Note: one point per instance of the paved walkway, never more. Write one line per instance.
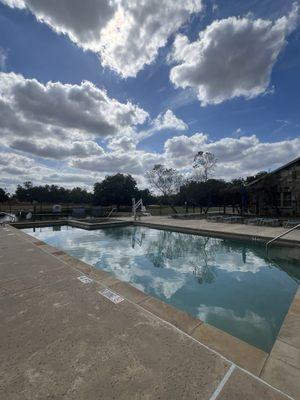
(262, 232)
(61, 339)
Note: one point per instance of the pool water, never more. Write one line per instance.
(227, 283)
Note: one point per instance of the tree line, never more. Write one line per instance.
(169, 187)
(115, 189)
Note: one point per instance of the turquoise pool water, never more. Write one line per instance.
(227, 283)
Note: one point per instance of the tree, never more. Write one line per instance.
(115, 189)
(3, 196)
(147, 197)
(52, 194)
(166, 181)
(79, 195)
(204, 194)
(204, 165)
(24, 192)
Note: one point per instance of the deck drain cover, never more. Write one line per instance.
(114, 297)
(84, 279)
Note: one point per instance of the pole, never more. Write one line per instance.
(133, 208)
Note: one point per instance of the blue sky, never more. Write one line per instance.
(220, 76)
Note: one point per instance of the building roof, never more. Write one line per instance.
(285, 166)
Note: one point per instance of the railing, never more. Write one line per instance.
(11, 216)
(279, 236)
(111, 211)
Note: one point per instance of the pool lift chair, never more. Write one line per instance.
(135, 207)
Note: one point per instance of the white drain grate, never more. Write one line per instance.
(84, 279)
(114, 297)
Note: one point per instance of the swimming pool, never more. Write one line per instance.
(230, 284)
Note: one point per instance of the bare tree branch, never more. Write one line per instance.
(204, 165)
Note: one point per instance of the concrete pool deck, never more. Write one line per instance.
(60, 338)
(203, 226)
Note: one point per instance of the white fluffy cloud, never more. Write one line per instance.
(56, 120)
(14, 3)
(126, 34)
(14, 164)
(27, 105)
(237, 157)
(168, 120)
(135, 162)
(164, 121)
(56, 149)
(2, 59)
(182, 148)
(16, 168)
(138, 29)
(232, 57)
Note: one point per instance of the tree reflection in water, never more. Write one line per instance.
(196, 252)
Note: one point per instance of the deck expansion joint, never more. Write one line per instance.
(222, 383)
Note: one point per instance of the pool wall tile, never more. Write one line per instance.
(241, 353)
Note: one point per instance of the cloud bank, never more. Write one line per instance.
(232, 57)
(126, 34)
(78, 128)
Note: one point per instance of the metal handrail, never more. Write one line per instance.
(111, 211)
(279, 236)
(11, 216)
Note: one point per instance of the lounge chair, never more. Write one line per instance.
(254, 221)
(215, 218)
(78, 212)
(145, 212)
(271, 222)
(233, 219)
(97, 212)
(291, 223)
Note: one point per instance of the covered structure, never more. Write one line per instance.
(278, 192)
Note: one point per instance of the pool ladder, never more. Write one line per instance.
(279, 236)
